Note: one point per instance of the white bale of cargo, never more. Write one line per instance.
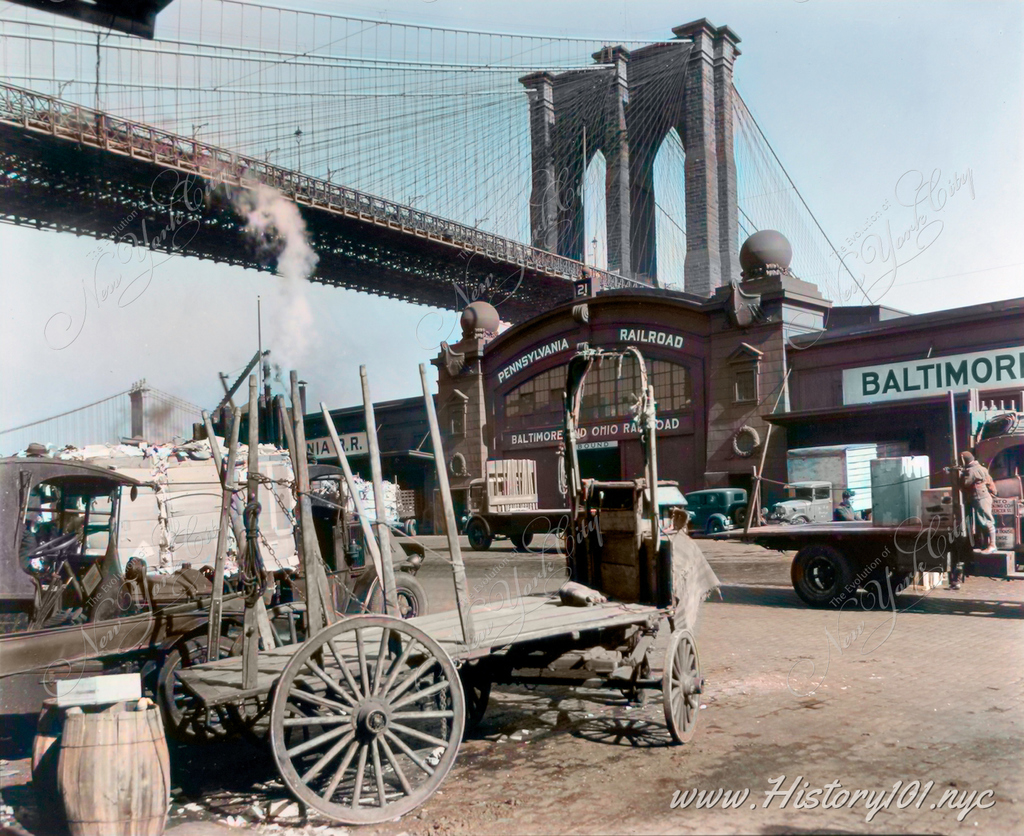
(843, 465)
(177, 521)
(896, 487)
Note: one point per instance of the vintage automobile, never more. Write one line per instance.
(69, 608)
(717, 509)
(807, 502)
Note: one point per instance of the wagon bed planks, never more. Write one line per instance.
(498, 624)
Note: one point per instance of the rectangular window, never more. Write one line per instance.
(745, 382)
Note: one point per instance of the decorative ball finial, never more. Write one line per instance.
(479, 317)
(765, 253)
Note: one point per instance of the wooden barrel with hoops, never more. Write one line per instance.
(114, 772)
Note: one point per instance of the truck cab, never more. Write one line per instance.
(806, 502)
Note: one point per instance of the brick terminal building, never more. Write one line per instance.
(719, 352)
(717, 366)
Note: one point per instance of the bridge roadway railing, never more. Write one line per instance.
(45, 114)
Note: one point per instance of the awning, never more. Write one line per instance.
(863, 410)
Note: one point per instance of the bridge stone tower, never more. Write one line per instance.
(624, 108)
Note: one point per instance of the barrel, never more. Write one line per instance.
(114, 773)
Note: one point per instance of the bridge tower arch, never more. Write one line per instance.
(625, 106)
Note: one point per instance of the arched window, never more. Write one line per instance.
(595, 213)
(670, 211)
(607, 395)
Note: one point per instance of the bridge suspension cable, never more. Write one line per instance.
(769, 199)
(422, 115)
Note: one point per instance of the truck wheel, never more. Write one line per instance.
(800, 520)
(410, 528)
(822, 576)
(521, 542)
(479, 537)
(412, 598)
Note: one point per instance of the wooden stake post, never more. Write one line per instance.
(226, 474)
(250, 647)
(754, 501)
(350, 482)
(387, 582)
(458, 567)
(961, 533)
(317, 613)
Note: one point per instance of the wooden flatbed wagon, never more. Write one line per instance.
(367, 715)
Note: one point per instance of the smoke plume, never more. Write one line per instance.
(273, 222)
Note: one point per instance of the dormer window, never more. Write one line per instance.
(745, 363)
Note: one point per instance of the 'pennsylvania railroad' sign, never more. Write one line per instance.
(997, 368)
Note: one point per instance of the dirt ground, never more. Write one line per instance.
(920, 706)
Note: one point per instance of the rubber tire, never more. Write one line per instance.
(521, 542)
(410, 528)
(411, 594)
(739, 516)
(821, 574)
(800, 520)
(713, 526)
(479, 537)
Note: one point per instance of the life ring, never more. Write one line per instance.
(755, 441)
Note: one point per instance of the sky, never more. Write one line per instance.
(899, 122)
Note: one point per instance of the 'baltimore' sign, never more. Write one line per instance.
(997, 368)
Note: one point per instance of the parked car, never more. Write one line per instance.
(717, 509)
(808, 502)
(670, 498)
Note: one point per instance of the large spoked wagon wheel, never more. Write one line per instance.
(366, 720)
(681, 686)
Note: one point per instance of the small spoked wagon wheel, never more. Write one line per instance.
(249, 718)
(366, 719)
(681, 686)
(185, 717)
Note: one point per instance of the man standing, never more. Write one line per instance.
(979, 489)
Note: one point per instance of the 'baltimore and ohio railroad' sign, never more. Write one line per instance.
(997, 368)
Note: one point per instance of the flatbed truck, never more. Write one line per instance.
(835, 559)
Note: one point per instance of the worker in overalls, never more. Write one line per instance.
(979, 488)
